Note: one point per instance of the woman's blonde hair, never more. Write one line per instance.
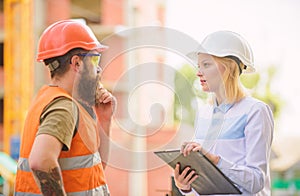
(234, 91)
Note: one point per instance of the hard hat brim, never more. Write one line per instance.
(51, 53)
(193, 55)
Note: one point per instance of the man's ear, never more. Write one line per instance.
(75, 63)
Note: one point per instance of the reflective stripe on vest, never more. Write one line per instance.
(99, 191)
(81, 166)
(78, 162)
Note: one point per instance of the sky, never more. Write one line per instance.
(271, 27)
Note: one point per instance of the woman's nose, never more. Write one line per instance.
(199, 72)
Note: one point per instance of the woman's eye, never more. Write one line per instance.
(205, 64)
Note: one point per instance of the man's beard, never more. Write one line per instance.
(86, 89)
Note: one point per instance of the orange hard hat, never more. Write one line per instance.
(62, 36)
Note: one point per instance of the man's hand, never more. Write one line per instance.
(105, 103)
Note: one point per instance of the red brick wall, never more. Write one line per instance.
(57, 10)
(112, 12)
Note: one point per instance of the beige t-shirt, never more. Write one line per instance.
(59, 119)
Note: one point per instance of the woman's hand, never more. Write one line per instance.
(184, 179)
(189, 147)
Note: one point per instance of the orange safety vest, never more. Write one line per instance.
(81, 166)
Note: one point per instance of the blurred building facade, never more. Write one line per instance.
(126, 172)
(1, 72)
(106, 17)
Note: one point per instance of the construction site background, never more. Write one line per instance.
(21, 24)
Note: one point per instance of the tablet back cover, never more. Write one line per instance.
(210, 179)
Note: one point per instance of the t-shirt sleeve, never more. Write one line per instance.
(59, 119)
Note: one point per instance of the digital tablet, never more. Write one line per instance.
(210, 179)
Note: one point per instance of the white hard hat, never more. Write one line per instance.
(227, 43)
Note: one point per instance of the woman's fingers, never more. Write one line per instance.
(185, 178)
(187, 147)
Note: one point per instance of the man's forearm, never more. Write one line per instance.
(104, 111)
(50, 182)
(104, 141)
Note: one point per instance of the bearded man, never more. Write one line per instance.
(69, 120)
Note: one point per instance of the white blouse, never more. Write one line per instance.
(241, 134)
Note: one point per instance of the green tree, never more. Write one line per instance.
(261, 89)
(187, 94)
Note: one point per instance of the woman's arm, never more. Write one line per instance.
(258, 139)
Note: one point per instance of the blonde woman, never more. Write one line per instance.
(236, 130)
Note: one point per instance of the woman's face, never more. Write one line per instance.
(210, 73)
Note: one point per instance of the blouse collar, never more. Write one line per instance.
(223, 107)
